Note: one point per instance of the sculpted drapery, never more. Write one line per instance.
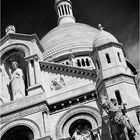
(17, 81)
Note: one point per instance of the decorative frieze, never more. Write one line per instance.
(119, 80)
(68, 70)
(115, 80)
(108, 45)
(23, 113)
(22, 103)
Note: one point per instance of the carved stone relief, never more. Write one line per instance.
(57, 83)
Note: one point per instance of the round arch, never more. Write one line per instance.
(22, 122)
(18, 132)
(18, 46)
(86, 113)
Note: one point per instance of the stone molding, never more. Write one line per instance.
(20, 46)
(108, 45)
(45, 138)
(22, 103)
(115, 80)
(75, 93)
(25, 112)
(19, 36)
(68, 70)
(26, 122)
(87, 110)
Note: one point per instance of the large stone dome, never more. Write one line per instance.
(67, 38)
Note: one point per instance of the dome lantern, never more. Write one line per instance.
(64, 11)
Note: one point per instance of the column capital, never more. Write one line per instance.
(32, 57)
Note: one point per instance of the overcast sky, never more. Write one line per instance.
(119, 17)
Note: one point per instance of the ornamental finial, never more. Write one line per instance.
(10, 29)
(100, 27)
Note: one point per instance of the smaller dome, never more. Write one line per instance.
(104, 37)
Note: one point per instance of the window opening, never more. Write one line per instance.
(62, 10)
(67, 63)
(87, 62)
(138, 116)
(83, 63)
(108, 58)
(119, 56)
(78, 63)
(118, 96)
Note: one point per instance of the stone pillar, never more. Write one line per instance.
(36, 71)
(46, 122)
(35, 86)
(30, 73)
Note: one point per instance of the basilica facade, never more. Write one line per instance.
(51, 88)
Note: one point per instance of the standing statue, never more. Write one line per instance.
(17, 81)
(4, 82)
(120, 125)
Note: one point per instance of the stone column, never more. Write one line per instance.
(31, 73)
(36, 70)
(46, 122)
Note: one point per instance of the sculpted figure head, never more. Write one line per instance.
(14, 65)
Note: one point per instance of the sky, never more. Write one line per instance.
(119, 17)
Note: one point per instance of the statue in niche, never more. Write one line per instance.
(4, 82)
(16, 81)
(57, 83)
(120, 125)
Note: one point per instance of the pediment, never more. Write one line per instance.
(58, 79)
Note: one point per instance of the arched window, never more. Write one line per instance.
(18, 133)
(87, 62)
(83, 63)
(119, 56)
(108, 58)
(118, 96)
(67, 63)
(78, 63)
(80, 124)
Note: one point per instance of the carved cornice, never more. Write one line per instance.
(19, 36)
(45, 138)
(115, 80)
(22, 103)
(22, 113)
(108, 45)
(68, 70)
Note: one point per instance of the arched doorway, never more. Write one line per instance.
(18, 133)
(80, 124)
(81, 117)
